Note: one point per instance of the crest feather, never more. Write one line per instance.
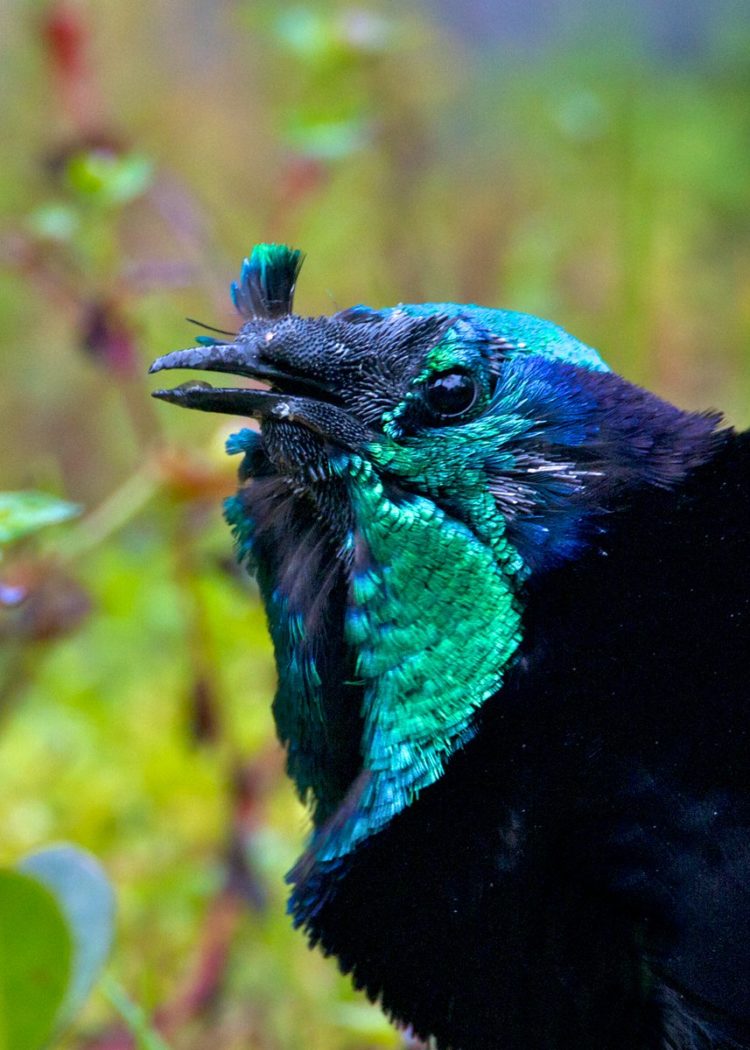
(267, 280)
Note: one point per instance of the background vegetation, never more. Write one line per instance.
(548, 158)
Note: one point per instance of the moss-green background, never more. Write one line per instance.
(577, 160)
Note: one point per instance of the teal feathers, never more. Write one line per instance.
(267, 281)
(433, 618)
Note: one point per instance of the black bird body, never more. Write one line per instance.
(580, 876)
(509, 595)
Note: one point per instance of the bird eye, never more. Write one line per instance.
(451, 394)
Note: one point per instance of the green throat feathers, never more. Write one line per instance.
(431, 618)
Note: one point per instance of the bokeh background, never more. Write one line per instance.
(581, 159)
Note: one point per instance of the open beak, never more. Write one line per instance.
(292, 398)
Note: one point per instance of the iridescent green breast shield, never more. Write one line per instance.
(433, 619)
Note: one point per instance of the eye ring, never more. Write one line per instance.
(451, 394)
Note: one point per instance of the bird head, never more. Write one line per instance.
(415, 469)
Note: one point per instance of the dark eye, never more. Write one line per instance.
(450, 394)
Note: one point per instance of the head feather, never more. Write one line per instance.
(267, 280)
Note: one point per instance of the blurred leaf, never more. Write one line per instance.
(22, 513)
(324, 41)
(54, 222)
(306, 33)
(328, 139)
(35, 962)
(105, 177)
(133, 1016)
(84, 895)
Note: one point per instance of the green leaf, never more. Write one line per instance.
(35, 959)
(22, 513)
(306, 33)
(83, 892)
(54, 222)
(327, 139)
(105, 177)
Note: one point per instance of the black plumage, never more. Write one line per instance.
(580, 876)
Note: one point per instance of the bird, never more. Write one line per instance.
(509, 596)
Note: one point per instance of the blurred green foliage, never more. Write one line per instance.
(147, 147)
(34, 961)
(86, 902)
(56, 923)
(24, 513)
